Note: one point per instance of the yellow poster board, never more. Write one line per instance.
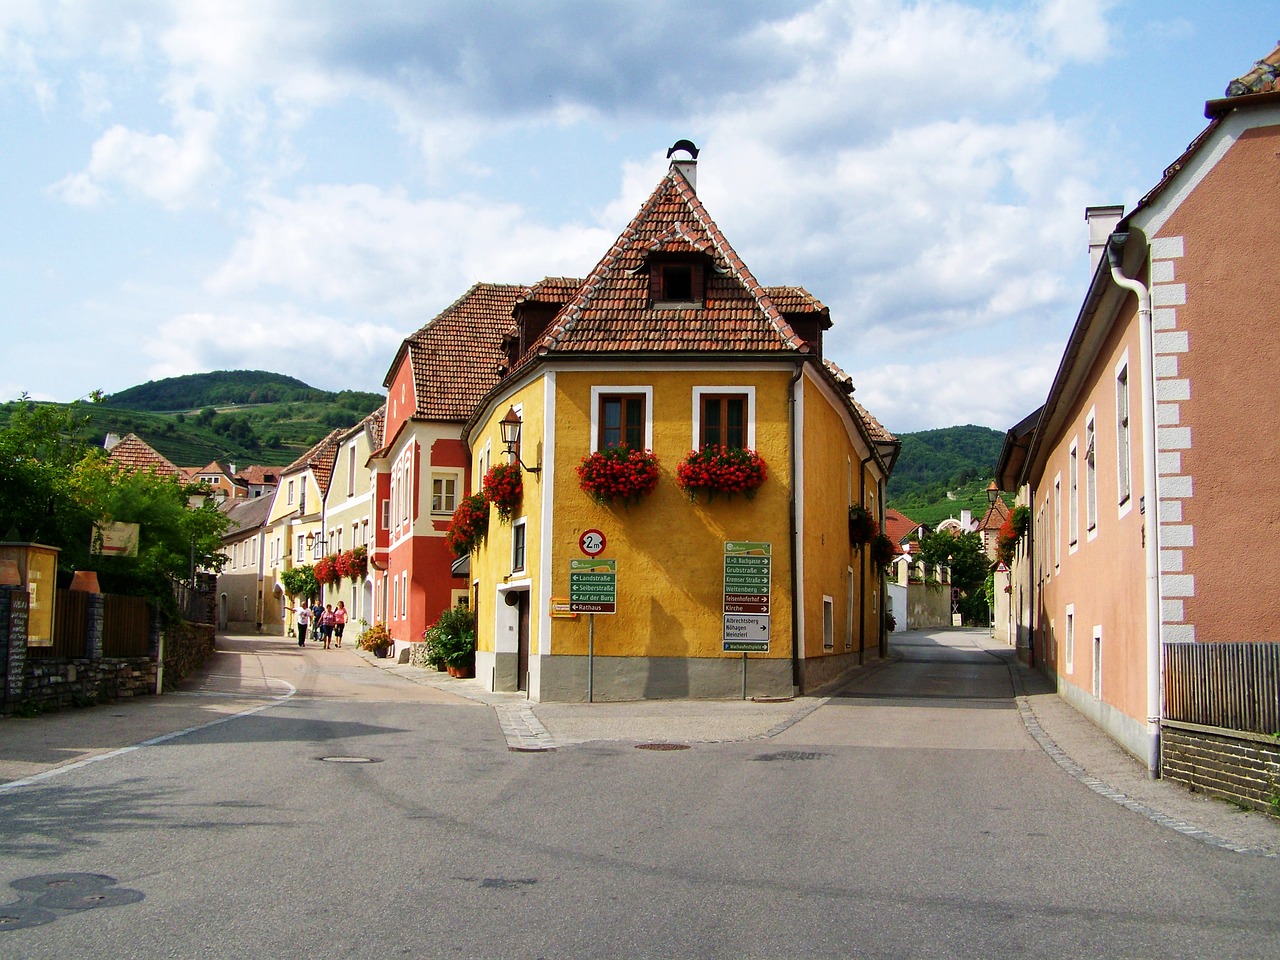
(38, 567)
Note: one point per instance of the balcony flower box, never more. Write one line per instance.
(618, 474)
(727, 470)
(862, 526)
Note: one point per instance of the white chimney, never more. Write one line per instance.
(1102, 222)
(688, 166)
(111, 440)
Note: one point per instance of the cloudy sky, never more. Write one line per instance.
(295, 185)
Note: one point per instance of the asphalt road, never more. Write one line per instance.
(908, 816)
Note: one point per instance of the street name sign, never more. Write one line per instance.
(593, 586)
(747, 594)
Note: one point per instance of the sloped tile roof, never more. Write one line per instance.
(133, 453)
(898, 527)
(259, 476)
(457, 357)
(875, 430)
(611, 312)
(795, 300)
(995, 515)
(1263, 78)
(320, 459)
(246, 516)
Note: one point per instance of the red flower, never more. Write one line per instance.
(469, 526)
(618, 473)
(504, 487)
(721, 469)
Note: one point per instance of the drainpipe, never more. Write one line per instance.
(1150, 498)
(862, 565)
(796, 639)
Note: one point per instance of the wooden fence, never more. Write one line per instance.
(126, 627)
(1235, 686)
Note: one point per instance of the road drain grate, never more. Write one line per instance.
(662, 746)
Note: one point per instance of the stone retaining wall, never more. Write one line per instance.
(1243, 767)
(52, 684)
(186, 647)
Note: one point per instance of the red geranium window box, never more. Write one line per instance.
(469, 525)
(618, 473)
(720, 469)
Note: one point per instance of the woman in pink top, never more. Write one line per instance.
(339, 621)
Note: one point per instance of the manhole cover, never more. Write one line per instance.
(662, 746)
(350, 759)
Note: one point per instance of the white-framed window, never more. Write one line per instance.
(301, 546)
(621, 416)
(848, 620)
(1069, 642)
(1056, 521)
(407, 483)
(386, 513)
(1097, 661)
(404, 595)
(1124, 467)
(338, 536)
(828, 623)
(725, 416)
(1073, 496)
(288, 490)
(395, 598)
(444, 492)
(1091, 476)
(518, 546)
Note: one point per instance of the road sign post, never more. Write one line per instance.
(747, 596)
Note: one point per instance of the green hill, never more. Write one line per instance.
(959, 461)
(195, 419)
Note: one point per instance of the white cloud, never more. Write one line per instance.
(324, 351)
(173, 172)
(367, 247)
(991, 389)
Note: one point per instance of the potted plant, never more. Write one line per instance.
(452, 640)
(504, 487)
(618, 473)
(862, 526)
(469, 526)
(720, 469)
(376, 639)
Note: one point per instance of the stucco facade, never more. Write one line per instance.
(1151, 470)
(612, 336)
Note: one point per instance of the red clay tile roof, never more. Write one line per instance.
(259, 476)
(456, 357)
(1263, 78)
(320, 460)
(133, 453)
(875, 430)
(898, 527)
(795, 300)
(612, 311)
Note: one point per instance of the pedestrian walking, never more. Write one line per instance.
(339, 621)
(304, 618)
(326, 625)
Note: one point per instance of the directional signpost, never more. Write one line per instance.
(747, 580)
(593, 586)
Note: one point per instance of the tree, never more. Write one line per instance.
(969, 565)
(55, 489)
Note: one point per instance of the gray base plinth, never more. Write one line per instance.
(564, 678)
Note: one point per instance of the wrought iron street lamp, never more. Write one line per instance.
(510, 426)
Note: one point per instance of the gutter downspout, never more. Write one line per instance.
(796, 639)
(862, 564)
(1150, 496)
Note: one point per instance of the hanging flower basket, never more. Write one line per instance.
(326, 572)
(618, 473)
(721, 470)
(862, 526)
(359, 564)
(504, 487)
(881, 550)
(469, 525)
